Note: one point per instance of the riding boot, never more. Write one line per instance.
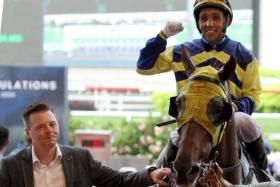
(257, 151)
(170, 154)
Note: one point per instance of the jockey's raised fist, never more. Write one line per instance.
(171, 28)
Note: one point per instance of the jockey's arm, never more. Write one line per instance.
(154, 57)
(250, 90)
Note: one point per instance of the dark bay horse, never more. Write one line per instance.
(207, 131)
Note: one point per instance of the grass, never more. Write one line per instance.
(269, 127)
(269, 73)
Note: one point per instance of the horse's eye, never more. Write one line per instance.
(218, 110)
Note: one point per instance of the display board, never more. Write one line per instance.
(21, 32)
(22, 86)
(115, 39)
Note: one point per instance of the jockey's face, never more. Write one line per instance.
(211, 24)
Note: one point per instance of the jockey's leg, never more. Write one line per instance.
(250, 133)
(169, 152)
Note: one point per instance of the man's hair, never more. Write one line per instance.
(4, 135)
(36, 107)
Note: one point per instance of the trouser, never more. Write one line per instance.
(249, 132)
(168, 155)
(257, 151)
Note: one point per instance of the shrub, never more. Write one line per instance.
(135, 137)
(269, 103)
(140, 136)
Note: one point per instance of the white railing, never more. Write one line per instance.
(118, 103)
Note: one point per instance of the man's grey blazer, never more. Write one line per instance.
(80, 170)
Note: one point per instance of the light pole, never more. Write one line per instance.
(189, 8)
(256, 28)
(1, 12)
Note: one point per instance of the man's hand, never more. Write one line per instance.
(157, 176)
(213, 177)
(171, 28)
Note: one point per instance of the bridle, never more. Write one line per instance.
(203, 168)
(225, 88)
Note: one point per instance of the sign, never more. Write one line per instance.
(98, 142)
(22, 86)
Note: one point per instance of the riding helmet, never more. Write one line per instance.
(223, 5)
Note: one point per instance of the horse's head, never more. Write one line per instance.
(203, 107)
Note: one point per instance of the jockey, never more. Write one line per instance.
(214, 48)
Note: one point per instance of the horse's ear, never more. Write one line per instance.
(189, 66)
(228, 69)
(218, 110)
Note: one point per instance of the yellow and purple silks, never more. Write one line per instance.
(197, 95)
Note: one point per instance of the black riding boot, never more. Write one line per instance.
(170, 154)
(257, 151)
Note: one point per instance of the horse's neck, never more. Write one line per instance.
(228, 153)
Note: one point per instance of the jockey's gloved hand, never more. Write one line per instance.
(171, 28)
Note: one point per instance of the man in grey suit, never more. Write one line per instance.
(45, 163)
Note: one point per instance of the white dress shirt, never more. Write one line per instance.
(51, 175)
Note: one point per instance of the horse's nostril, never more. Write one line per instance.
(194, 169)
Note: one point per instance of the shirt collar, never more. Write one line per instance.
(209, 47)
(58, 154)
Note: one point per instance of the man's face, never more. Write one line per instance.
(211, 24)
(44, 130)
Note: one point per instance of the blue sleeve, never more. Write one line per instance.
(150, 53)
(245, 104)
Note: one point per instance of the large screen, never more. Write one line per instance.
(21, 32)
(108, 33)
(102, 33)
(115, 39)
